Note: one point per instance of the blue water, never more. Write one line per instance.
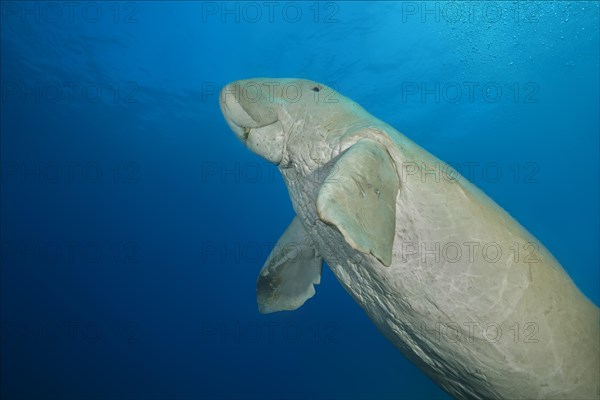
(134, 223)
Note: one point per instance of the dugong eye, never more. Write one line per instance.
(315, 89)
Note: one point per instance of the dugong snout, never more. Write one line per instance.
(251, 114)
(246, 105)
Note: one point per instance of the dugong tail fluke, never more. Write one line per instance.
(459, 286)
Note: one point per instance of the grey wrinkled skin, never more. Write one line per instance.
(517, 328)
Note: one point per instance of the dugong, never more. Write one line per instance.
(449, 277)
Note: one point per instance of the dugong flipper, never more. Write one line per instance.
(459, 286)
(366, 217)
(286, 280)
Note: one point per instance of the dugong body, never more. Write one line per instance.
(459, 286)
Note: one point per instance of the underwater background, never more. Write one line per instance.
(134, 223)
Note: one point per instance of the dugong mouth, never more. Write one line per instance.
(238, 118)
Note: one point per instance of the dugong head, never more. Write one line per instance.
(312, 132)
(271, 116)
